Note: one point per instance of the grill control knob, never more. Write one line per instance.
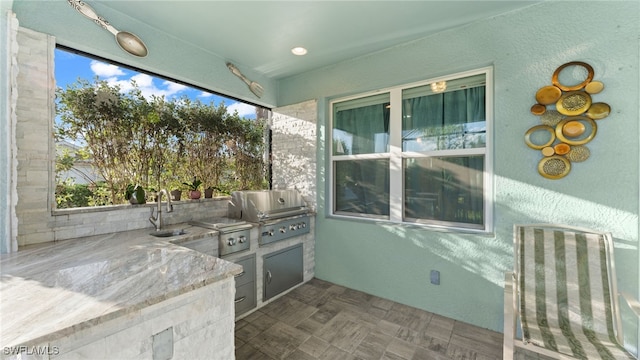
(304, 225)
(231, 241)
(271, 232)
(283, 230)
(292, 227)
(242, 239)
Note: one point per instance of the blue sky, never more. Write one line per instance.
(69, 67)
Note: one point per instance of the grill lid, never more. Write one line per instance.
(261, 205)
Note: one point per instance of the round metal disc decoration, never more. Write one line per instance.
(556, 74)
(548, 95)
(598, 111)
(573, 103)
(594, 87)
(527, 136)
(538, 109)
(560, 133)
(567, 108)
(578, 153)
(551, 118)
(562, 148)
(554, 167)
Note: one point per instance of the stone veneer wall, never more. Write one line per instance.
(8, 162)
(294, 146)
(35, 112)
(198, 324)
(38, 222)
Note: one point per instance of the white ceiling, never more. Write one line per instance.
(260, 34)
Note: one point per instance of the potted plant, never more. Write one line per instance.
(194, 193)
(176, 194)
(135, 194)
(208, 192)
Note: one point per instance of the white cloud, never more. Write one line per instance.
(205, 94)
(147, 86)
(173, 87)
(105, 70)
(243, 109)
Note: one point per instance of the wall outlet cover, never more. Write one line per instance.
(435, 277)
(163, 345)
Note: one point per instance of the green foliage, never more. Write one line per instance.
(71, 195)
(194, 185)
(135, 192)
(155, 142)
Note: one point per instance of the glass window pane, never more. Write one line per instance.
(453, 118)
(362, 186)
(361, 126)
(448, 189)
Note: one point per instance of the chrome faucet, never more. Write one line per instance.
(157, 220)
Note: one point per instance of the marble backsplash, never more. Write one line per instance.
(75, 223)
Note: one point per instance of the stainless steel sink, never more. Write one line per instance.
(168, 233)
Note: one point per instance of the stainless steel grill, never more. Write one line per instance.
(263, 205)
(281, 213)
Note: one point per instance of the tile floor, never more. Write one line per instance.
(321, 320)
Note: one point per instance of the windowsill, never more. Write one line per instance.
(412, 225)
(97, 209)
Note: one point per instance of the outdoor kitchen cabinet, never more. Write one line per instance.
(245, 299)
(282, 270)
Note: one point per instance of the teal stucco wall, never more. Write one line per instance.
(524, 47)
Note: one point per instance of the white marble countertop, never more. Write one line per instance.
(52, 290)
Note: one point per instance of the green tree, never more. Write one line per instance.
(155, 142)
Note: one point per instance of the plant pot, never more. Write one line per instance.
(194, 194)
(208, 193)
(176, 195)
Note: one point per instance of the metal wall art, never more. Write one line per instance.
(568, 116)
(255, 88)
(126, 40)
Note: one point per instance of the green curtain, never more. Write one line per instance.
(444, 188)
(362, 186)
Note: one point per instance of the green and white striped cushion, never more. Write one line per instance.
(564, 293)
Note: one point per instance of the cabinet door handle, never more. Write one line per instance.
(269, 276)
(240, 299)
(241, 274)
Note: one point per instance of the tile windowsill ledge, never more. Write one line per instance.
(94, 209)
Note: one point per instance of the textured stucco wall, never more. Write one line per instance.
(525, 48)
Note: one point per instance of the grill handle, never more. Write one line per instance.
(269, 277)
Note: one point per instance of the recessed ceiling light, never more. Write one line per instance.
(299, 50)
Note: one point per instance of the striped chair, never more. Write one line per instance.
(563, 292)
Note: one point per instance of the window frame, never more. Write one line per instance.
(397, 158)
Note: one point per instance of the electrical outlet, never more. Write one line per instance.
(435, 277)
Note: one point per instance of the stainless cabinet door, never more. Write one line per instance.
(282, 270)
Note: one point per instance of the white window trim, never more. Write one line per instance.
(396, 157)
